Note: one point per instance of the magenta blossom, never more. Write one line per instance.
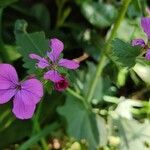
(145, 24)
(54, 61)
(147, 56)
(61, 85)
(25, 94)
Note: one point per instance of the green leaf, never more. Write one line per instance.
(82, 123)
(99, 14)
(4, 3)
(30, 43)
(124, 54)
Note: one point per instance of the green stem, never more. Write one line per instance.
(75, 94)
(35, 138)
(72, 92)
(60, 5)
(36, 118)
(43, 142)
(103, 58)
(121, 15)
(37, 128)
(99, 70)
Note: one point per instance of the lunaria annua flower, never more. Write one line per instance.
(53, 62)
(145, 24)
(25, 94)
(61, 85)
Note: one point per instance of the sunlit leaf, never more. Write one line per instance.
(12, 52)
(143, 71)
(99, 14)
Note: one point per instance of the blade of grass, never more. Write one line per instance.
(34, 139)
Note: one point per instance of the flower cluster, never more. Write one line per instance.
(53, 62)
(145, 24)
(26, 94)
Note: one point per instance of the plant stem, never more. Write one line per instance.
(37, 127)
(43, 142)
(60, 5)
(59, 12)
(75, 94)
(103, 58)
(35, 138)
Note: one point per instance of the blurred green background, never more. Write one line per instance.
(120, 114)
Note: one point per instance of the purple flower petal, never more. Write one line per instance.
(70, 64)
(147, 56)
(57, 47)
(8, 81)
(35, 56)
(20, 109)
(42, 62)
(138, 42)
(31, 91)
(53, 76)
(8, 75)
(6, 95)
(145, 23)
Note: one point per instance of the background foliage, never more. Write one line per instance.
(116, 116)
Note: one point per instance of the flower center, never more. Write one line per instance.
(62, 84)
(53, 66)
(18, 87)
(146, 47)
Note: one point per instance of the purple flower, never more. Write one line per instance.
(25, 94)
(145, 24)
(61, 85)
(138, 42)
(147, 56)
(54, 61)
